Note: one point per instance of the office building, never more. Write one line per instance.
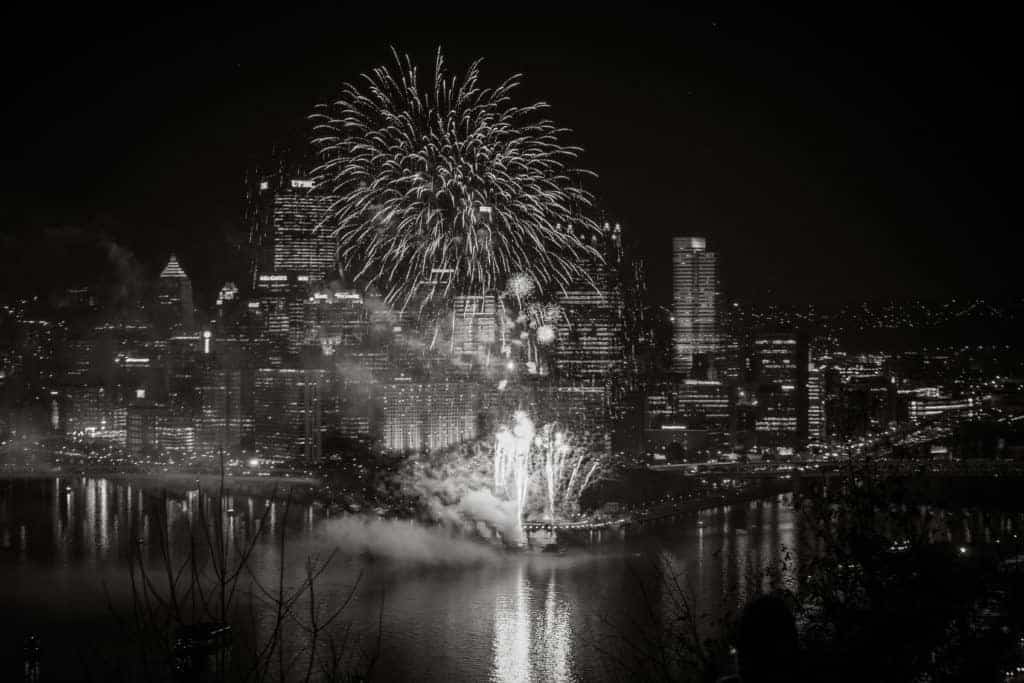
(415, 416)
(691, 416)
(780, 370)
(154, 431)
(293, 252)
(590, 334)
(817, 428)
(288, 419)
(222, 421)
(175, 308)
(288, 235)
(695, 298)
(94, 412)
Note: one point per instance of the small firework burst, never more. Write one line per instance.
(520, 285)
(545, 335)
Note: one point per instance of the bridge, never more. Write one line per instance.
(835, 467)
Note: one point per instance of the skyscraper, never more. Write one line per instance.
(816, 425)
(174, 298)
(222, 422)
(292, 251)
(781, 371)
(692, 413)
(289, 413)
(426, 415)
(287, 237)
(694, 303)
(590, 340)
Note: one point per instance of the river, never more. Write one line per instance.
(446, 608)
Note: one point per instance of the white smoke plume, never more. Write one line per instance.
(454, 488)
(483, 506)
(406, 541)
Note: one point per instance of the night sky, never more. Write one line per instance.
(826, 158)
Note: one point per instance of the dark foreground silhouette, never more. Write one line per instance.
(767, 643)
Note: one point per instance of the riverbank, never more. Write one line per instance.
(309, 489)
(689, 507)
(204, 479)
(636, 521)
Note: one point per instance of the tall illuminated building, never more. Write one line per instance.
(781, 372)
(222, 421)
(415, 415)
(589, 343)
(288, 420)
(349, 412)
(288, 237)
(292, 250)
(695, 414)
(695, 296)
(816, 425)
(176, 309)
(179, 360)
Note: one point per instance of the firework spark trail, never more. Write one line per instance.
(564, 461)
(512, 464)
(555, 451)
(524, 453)
(449, 176)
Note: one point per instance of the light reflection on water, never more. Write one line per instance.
(512, 630)
(533, 635)
(516, 618)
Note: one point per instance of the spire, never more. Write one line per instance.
(173, 269)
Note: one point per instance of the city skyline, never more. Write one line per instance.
(754, 200)
(510, 344)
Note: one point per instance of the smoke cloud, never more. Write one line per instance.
(406, 541)
(454, 488)
(483, 506)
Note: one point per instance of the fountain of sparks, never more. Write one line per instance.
(563, 469)
(513, 466)
(567, 471)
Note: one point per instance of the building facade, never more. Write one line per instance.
(695, 300)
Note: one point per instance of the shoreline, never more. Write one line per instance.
(310, 490)
(710, 502)
(166, 477)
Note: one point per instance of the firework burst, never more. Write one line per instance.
(450, 179)
(520, 285)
